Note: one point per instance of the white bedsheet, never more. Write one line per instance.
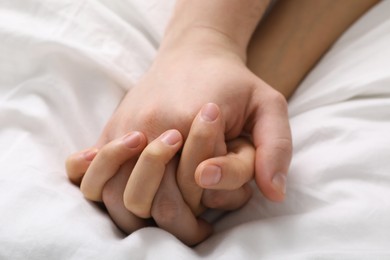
(64, 66)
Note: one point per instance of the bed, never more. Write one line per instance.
(65, 65)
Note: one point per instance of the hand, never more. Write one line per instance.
(169, 209)
(186, 76)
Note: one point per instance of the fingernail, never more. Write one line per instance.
(90, 154)
(171, 137)
(279, 182)
(211, 175)
(132, 140)
(210, 112)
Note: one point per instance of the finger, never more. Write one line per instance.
(148, 172)
(273, 142)
(108, 161)
(199, 146)
(172, 214)
(225, 199)
(77, 164)
(113, 200)
(228, 172)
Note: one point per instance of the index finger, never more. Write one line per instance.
(200, 145)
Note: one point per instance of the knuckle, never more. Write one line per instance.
(153, 154)
(214, 199)
(166, 211)
(110, 194)
(149, 114)
(278, 99)
(107, 152)
(244, 174)
(149, 120)
(187, 185)
(284, 146)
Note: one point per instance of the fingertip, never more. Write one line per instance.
(141, 211)
(209, 112)
(77, 164)
(208, 176)
(279, 183)
(171, 137)
(89, 193)
(271, 167)
(228, 172)
(134, 140)
(273, 188)
(90, 154)
(77, 160)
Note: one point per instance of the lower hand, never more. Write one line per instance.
(169, 209)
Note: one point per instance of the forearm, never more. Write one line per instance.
(204, 21)
(295, 35)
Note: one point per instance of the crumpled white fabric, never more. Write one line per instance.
(65, 65)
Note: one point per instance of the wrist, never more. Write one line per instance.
(229, 24)
(200, 40)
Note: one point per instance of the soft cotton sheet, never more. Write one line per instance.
(65, 65)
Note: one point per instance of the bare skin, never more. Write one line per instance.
(290, 41)
(285, 47)
(169, 210)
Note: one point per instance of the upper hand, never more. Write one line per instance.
(184, 78)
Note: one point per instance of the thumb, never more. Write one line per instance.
(273, 142)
